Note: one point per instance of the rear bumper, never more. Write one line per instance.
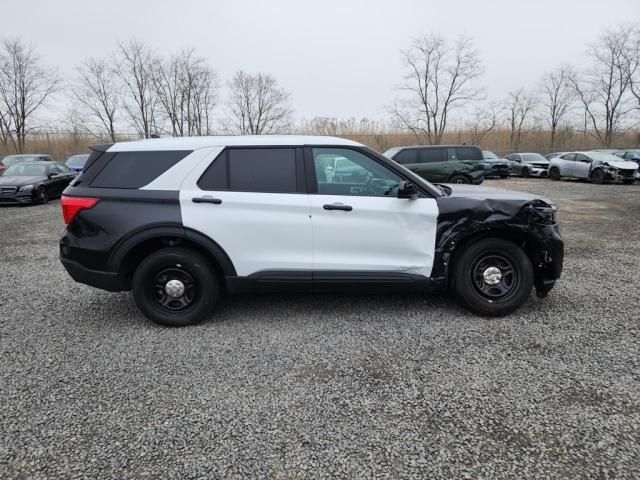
(104, 280)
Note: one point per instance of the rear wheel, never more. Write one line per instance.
(554, 173)
(493, 277)
(461, 179)
(597, 176)
(175, 287)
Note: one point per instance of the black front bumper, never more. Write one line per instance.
(548, 260)
(110, 281)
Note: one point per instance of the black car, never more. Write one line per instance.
(33, 182)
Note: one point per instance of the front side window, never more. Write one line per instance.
(341, 171)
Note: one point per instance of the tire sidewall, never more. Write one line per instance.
(554, 173)
(597, 177)
(207, 288)
(466, 291)
(455, 178)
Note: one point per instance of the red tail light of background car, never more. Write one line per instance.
(71, 206)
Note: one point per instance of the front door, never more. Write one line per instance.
(358, 222)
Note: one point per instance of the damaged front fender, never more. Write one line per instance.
(530, 223)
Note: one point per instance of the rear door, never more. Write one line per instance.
(251, 201)
(359, 224)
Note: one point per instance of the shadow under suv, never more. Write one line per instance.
(178, 221)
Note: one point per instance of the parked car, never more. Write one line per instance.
(28, 157)
(178, 220)
(528, 164)
(33, 182)
(495, 166)
(631, 155)
(442, 163)
(595, 165)
(76, 162)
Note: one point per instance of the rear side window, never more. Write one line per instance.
(431, 155)
(269, 170)
(406, 156)
(468, 153)
(136, 169)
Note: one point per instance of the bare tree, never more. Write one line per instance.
(135, 68)
(257, 105)
(631, 56)
(96, 94)
(25, 86)
(518, 105)
(440, 77)
(483, 121)
(603, 89)
(186, 89)
(558, 98)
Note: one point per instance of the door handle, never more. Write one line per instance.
(215, 201)
(337, 206)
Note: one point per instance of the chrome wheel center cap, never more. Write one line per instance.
(492, 276)
(174, 288)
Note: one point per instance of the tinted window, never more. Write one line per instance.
(582, 158)
(431, 155)
(136, 169)
(262, 169)
(406, 156)
(468, 153)
(569, 156)
(215, 176)
(340, 171)
(56, 169)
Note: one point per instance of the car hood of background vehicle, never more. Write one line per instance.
(486, 193)
(622, 164)
(539, 163)
(19, 181)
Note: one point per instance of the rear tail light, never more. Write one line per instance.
(71, 206)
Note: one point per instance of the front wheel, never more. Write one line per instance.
(175, 287)
(526, 173)
(597, 177)
(554, 173)
(43, 195)
(493, 277)
(460, 179)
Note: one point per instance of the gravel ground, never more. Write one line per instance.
(327, 386)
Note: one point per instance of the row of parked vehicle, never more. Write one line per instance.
(36, 178)
(469, 164)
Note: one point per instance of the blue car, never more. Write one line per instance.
(76, 162)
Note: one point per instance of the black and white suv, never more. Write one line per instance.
(179, 221)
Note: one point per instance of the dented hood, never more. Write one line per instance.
(622, 164)
(489, 193)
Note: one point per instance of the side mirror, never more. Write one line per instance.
(407, 190)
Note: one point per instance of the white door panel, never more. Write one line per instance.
(259, 231)
(378, 234)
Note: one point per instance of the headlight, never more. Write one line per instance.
(546, 214)
(26, 188)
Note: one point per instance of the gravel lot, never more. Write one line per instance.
(327, 386)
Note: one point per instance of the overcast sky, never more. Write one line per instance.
(337, 57)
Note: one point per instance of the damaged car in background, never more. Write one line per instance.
(528, 164)
(196, 217)
(597, 166)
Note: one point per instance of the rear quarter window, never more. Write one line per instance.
(469, 153)
(406, 156)
(432, 155)
(136, 169)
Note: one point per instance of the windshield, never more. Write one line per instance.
(11, 159)
(489, 155)
(533, 157)
(25, 170)
(76, 160)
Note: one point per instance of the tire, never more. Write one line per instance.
(554, 173)
(200, 287)
(43, 196)
(526, 173)
(629, 182)
(597, 177)
(460, 179)
(504, 176)
(471, 267)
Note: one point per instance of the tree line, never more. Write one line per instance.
(177, 94)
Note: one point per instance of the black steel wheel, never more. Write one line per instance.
(42, 194)
(597, 176)
(554, 173)
(175, 287)
(492, 276)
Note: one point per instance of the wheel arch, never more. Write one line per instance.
(130, 251)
